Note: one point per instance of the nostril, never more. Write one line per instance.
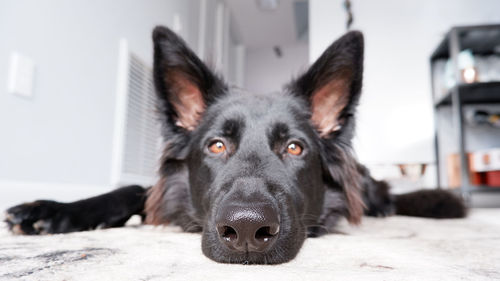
(263, 234)
(228, 233)
(266, 233)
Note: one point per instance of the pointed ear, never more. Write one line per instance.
(332, 84)
(332, 87)
(184, 85)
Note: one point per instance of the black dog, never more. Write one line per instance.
(256, 174)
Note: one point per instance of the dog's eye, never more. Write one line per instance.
(217, 147)
(294, 149)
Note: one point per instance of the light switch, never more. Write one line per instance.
(21, 75)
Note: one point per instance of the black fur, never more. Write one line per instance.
(437, 203)
(112, 209)
(379, 202)
(310, 191)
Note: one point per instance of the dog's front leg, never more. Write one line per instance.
(111, 209)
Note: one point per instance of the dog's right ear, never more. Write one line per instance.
(184, 84)
(332, 87)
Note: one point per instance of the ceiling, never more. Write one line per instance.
(257, 28)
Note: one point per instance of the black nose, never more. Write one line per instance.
(249, 228)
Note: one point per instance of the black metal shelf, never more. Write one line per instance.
(474, 93)
(482, 40)
(477, 188)
(482, 188)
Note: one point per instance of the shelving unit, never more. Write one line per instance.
(474, 93)
(481, 40)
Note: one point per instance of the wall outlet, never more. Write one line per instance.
(21, 75)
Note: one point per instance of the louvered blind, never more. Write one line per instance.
(137, 135)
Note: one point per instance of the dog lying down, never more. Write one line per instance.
(254, 173)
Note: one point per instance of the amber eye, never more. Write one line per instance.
(217, 147)
(294, 149)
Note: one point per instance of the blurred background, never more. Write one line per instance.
(76, 94)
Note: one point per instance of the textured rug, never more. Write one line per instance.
(395, 248)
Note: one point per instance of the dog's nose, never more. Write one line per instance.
(249, 228)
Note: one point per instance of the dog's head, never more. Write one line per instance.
(256, 171)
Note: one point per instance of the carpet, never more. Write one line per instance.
(394, 248)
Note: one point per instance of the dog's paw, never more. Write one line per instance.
(31, 218)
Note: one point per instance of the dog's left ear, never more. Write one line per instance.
(332, 84)
(332, 87)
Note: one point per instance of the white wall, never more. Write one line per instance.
(395, 121)
(265, 72)
(63, 134)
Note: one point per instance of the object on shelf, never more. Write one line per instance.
(473, 69)
(493, 179)
(466, 64)
(488, 67)
(469, 75)
(453, 170)
(482, 117)
(485, 160)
